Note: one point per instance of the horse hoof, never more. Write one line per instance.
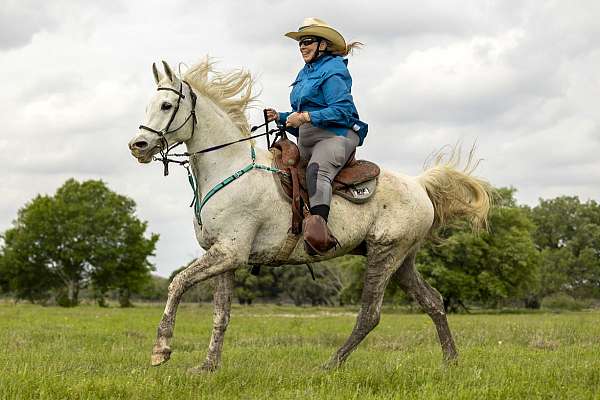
(160, 356)
(450, 361)
(331, 365)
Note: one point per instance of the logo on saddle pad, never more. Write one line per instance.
(361, 192)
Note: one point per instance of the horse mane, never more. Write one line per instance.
(223, 89)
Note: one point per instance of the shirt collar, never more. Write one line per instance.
(318, 62)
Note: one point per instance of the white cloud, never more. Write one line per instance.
(520, 78)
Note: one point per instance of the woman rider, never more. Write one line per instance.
(324, 119)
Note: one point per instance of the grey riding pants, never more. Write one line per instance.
(326, 154)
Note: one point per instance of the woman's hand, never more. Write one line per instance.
(272, 114)
(295, 119)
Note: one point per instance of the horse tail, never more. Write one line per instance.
(454, 192)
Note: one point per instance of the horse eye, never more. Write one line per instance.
(165, 106)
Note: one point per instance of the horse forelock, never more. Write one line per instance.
(231, 91)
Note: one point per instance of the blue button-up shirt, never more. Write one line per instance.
(323, 88)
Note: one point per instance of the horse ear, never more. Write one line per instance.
(168, 71)
(157, 75)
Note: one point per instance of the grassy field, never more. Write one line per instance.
(276, 352)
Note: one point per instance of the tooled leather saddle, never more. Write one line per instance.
(356, 181)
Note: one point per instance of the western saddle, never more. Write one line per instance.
(356, 182)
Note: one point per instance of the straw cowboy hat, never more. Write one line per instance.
(317, 27)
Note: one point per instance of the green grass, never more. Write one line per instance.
(276, 352)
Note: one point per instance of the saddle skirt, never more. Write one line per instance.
(356, 181)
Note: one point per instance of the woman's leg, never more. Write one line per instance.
(328, 157)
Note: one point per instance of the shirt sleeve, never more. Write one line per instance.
(282, 117)
(340, 104)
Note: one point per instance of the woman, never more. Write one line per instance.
(325, 120)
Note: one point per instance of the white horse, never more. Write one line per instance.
(247, 222)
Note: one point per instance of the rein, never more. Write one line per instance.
(220, 146)
(164, 145)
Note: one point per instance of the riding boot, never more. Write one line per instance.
(318, 239)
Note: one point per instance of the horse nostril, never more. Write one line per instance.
(142, 144)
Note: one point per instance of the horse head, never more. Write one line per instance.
(170, 116)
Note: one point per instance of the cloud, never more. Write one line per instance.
(20, 21)
(522, 80)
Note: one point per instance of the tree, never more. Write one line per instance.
(291, 282)
(296, 282)
(248, 287)
(26, 266)
(155, 289)
(568, 233)
(4, 284)
(488, 268)
(84, 234)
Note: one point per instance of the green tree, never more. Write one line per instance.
(84, 234)
(248, 287)
(156, 289)
(568, 233)
(26, 265)
(4, 283)
(488, 268)
(296, 282)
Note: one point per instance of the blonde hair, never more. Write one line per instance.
(223, 89)
(350, 47)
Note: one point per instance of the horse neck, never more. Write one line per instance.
(215, 127)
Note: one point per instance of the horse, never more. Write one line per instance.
(246, 223)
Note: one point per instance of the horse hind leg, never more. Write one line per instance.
(222, 308)
(430, 301)
(380, 266)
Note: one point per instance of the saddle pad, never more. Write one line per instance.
(359, 193)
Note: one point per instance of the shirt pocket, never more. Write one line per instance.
(311, 91)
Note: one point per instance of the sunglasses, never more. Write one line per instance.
(307, 41)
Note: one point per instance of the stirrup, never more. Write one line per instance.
(311, 251)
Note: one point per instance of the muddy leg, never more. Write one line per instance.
(213, 262)
(376, 278)
(222, 304)
(430, 301)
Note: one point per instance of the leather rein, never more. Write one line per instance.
(164, 144)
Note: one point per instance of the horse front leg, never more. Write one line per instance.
(214, 262)
(222, 307)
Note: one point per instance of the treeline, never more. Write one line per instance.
(86, 240)
(531, 256)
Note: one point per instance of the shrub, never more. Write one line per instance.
(562, 301)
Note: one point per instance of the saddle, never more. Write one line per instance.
(356, 181)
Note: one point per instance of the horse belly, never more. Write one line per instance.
(349, 223)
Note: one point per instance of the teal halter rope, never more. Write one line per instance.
(198, 205)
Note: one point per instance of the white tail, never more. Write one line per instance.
(454, 192)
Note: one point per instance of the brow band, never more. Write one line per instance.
(173, 90)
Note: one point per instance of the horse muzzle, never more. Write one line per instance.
(143, 149)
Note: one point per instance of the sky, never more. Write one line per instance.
(520, 79)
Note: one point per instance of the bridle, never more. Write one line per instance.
(164, 144)
(164, 147)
